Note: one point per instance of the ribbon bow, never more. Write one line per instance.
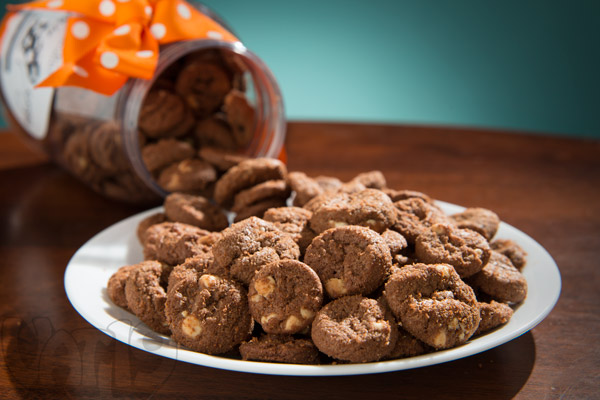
(109, 41)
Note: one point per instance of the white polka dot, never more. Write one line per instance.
(214, 35)
(80, 71)
(144, 53)
(80, 30)
(158, 30)
(148, 10)
(184, 11)
(122, 30)
(109, 60)
(107, 8)
(54, 4)
(123, 1)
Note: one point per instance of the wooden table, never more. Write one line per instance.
(549, 187)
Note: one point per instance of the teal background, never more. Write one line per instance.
(518, 65)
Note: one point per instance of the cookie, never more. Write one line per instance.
(203, 85)
(106, 148)
(207, 313)
(481, 220)
(248, 245)
(349, 260)
(147, 222)
(77, 159)
(371, 179)
(328, 183)
(173, 242)
(284, 296)
(190, 175)
(195, 210)
(501, 280)
(116, 285)
(466, 250)
(259, 209)
(406, 346)
(493, 314)
(241, 117)
(369, 207)
(293, 221)
(260, 192)
(246, 174)
(415, 216)
(219, 158)
(305, 188)
(512, 250)
(164, 114)
(145, 294)
(395, 241)
(165, 152)
(200, 264)
(433, 304)
(280, 348)
(355, 329)
(397, 195)
(214, 131)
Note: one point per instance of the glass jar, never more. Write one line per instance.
(105, 141)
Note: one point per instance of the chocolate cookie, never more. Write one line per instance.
(349, 260)
(116, 285)
(173, 242)
(328, 183)
(512, 250)
(501, 280)
(247, 174)
(164, 114)
(208, 313)
(284, 296)
(241, 117)
(369, 207)
(221, 159)
(481, 220)
(195, 210)
(190, 175)
(280, 348)
(272, 189)
(354, 328)
(259, 209)
(395, 241)
(295, 222)
(371, 179)
(397, 195)
(415, 216)
(433, 304)
(248, 245)
(305, 188)
(165, 152)
(406, 346)
(214, 131)
(203, 85)
(146, 296)
(493, 314)
(156, 218)
(106, 148)
(466, 250)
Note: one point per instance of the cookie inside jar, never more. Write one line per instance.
(199, 117)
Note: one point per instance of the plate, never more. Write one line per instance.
(92, 265)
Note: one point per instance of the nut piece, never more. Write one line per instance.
(208, 281)
(191, 326)
(265, 287)
(306, 313)
(265, 319)
(292, 324)
(335, 287)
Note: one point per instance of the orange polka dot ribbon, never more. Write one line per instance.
(109, 41)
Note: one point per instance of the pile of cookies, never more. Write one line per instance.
(313, 270)
(192, 123)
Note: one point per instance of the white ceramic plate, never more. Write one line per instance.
(93, 264)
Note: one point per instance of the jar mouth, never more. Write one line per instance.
(270, 123)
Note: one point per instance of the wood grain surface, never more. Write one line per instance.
(548, 187)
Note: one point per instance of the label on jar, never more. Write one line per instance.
(32, 48)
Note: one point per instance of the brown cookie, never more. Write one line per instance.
(248, 245)
(173, 242)
(195, 210)
(208, 313)
(246, 174)
(433, 304)
(241, 117)
(493, 314)
(147, 222)
(77, 159)
(305, 188)
(406, 346)
(295, 222)
(395, 241)
(354, 328)
(259, 209)
(512, 250)
(284, 296)
(165, 152)
(415, 216)
(260, 192)
(481, 220)
(466, 250)
(116, 285)
(203, 85)
(190, 175)
(220, 159)
(369, 207)
(397, 195)
(280, 348)
(371, 179)
(106, 148)
(501, 280)
(349, 260)
(164, 114)
(145, 294)
(328, 183)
